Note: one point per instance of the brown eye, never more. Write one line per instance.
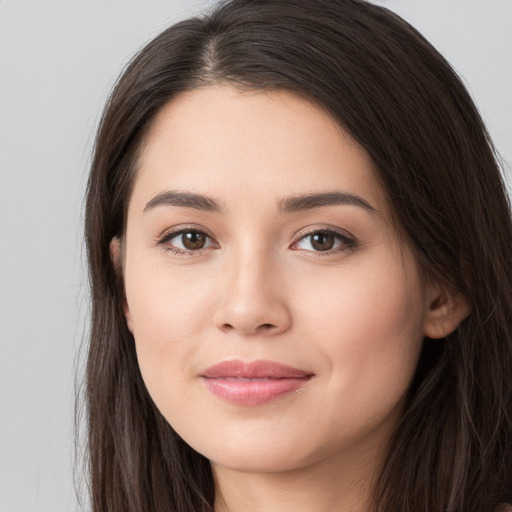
(187, 240)
(325, 241)
(193, 240)
(322, 241)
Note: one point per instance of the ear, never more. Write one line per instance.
(115, 253)
(446, 309)
(117, 260)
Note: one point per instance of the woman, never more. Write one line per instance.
(299, 242)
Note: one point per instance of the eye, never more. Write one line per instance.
(324, 240)
(187, 240)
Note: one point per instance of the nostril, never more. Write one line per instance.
(261, 328)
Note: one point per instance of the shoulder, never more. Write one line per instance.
(504, 507)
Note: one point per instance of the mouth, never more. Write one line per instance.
(253, 383)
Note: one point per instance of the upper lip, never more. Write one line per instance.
(254, 370)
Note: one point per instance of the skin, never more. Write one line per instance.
(353, 316)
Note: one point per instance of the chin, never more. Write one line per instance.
(269, 452)
(261, 460)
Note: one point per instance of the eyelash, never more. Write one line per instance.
(348, 242)
(175, 233)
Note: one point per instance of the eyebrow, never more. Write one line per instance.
(185, 199)
(312, 201)
(289, 205)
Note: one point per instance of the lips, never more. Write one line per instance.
(253, 383)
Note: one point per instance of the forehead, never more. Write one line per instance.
(248, 146)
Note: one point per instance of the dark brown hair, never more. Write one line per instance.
(388, 87)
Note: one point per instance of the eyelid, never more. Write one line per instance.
(348, 240)
(175, 231)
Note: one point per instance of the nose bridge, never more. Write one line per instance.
(253, 301)
(252, 268)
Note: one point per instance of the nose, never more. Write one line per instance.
(253, 301)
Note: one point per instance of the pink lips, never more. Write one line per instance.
(253, 383)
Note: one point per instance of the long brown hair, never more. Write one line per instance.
(388, 87)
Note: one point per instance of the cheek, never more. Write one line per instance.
(169, 310)
(368, 324)
(367, 328)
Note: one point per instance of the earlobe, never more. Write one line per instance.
(116, 257)
(128, 316)
(446, 310)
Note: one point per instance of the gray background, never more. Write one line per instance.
(58, 60)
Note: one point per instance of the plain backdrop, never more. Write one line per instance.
(58, 61)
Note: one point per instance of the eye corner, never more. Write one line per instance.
(192, 246)
(337, 241)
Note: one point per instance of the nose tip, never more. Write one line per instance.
(252, 307)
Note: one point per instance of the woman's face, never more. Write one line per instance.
(278, 320)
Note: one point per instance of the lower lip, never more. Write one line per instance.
(253, 392)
